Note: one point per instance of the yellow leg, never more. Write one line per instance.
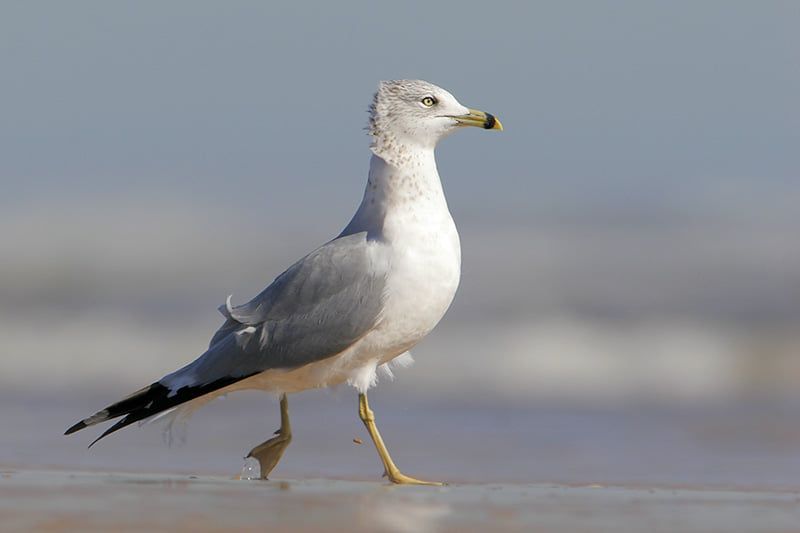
(392, 472)
(269, 452)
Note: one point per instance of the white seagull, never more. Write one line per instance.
(357, 302)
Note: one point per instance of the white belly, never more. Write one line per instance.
(425, 272)
(423, 278)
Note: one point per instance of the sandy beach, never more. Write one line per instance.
(110, 501)
(553, 469)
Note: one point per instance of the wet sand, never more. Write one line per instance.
(730, 447)
(539, 468)
(104, 501)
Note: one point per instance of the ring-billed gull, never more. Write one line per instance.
(352, 305)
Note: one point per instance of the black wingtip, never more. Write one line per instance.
(97, 439)
(77, 427)
(147, 402)
(119, 425)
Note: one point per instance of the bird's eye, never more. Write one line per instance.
(428, 101)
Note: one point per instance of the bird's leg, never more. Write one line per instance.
(269, 452)
(392, 472)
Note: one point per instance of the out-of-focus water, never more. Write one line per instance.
(663, 354)
(113, 298)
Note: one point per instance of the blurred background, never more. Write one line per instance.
(630, 241)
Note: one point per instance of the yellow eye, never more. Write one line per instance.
(428, 101)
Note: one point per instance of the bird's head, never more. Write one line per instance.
(418, 113)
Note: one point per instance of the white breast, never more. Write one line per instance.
(405, 213)
(424, 275)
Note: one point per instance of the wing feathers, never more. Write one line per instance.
(147, 402)
(314, 310)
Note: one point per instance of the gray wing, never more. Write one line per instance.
(320, 306)
(316, 309)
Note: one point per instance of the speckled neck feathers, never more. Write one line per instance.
(403, 179)
(413, 188)
(387, 143)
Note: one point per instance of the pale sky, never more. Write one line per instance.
(608, 105)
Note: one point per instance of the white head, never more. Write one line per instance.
(417, 113)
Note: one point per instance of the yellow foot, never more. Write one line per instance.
(268, 453)
(399, 478)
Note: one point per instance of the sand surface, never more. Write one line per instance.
(539, 468)
(86, 501)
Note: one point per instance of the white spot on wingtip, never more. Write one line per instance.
(227, 309)
(101, 416)
(246, 331)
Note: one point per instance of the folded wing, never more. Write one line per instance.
(314, 310)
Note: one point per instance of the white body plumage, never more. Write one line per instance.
(405, 214)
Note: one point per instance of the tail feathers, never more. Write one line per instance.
(147, 402)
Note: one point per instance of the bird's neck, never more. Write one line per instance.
(401, 180)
